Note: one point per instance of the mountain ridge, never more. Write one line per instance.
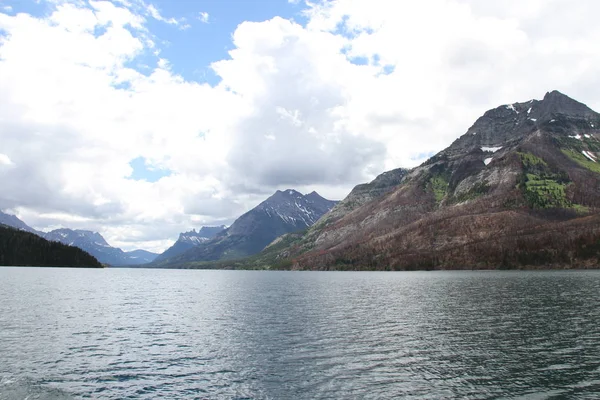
(14, 222)
(521, 188)
(95, 244)
(89, 241)
(518, 166)
(189, 239)
(283, 212)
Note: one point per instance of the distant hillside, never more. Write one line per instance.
(187, 240)
(14, 222)
(284, 212)
(96, 245)
(20, 248)
(135, 257)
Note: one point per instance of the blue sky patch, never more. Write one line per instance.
(143, 172)
(192, 49)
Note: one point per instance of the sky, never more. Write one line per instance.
(141, 119)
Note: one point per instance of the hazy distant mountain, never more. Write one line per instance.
(21, 248)
(13, 221)
(94, 243)
(139, 257)
(520, 188)
(187, 240)
(284, 212)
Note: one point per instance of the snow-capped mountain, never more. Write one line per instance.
(187, 240)
(202, 236)
(94, 243)
(292, 207)
(284, 212)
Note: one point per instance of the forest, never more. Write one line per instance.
(19, 248)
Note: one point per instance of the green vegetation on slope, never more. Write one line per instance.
(439, 185)
(19, 248)
(582, 160)
(542, 187)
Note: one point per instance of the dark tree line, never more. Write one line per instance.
(19, 248)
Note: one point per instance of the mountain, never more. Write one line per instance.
(13, 221)
(135, 257)
(94, 243)
(187, 240)
(21, 248)
(284, 212)
(521, 188)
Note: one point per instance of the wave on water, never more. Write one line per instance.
(29, 389)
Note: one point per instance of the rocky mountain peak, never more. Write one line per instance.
(509, 124)
(284, 212)
(203, 235)
(69, 236)
(314, 195)
(283, 196)
(557, 102)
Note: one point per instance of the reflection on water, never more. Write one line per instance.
(237, 334)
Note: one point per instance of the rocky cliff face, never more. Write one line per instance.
(520, 188)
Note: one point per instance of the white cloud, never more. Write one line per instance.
(154, 13)
(291, 109)
(204, 16)
(5, 160)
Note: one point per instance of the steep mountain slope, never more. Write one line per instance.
(94, 243)
(14, 222)
(187, 240)
(20, 248)
(283, 212)
(520, 188)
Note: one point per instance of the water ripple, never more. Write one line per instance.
(118, 334)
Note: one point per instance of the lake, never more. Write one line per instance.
(139, 333)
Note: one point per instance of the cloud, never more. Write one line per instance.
(204, 16)
(5, 160)
(299, 139)
(362, 87)
(154, 13)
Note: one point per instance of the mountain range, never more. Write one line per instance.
(520, 189)
(284, 212)
(91, 242)
(190, 239)
(96, 245)
(19, 247)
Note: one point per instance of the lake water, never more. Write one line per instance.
(126, 333)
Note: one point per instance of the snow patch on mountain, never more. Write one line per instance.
(491, 149)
